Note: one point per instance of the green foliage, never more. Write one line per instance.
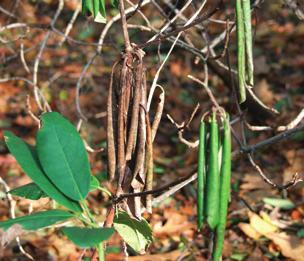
(136, 233)
(60, 170)
(29, 191)
(27, 158)
(38, 220)
(33, 192)
(63, 156)
(87, 237)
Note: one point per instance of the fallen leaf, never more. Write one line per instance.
(249, 231)
(290, 246)
(260, 225)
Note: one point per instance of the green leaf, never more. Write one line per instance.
(37, 220)
(279, 202)
(87, 237)
(27, 158)
(29, 191)
(136, 233)
(63, 156)
(33, 192)
(94, 183)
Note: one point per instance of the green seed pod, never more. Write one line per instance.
(201, 176)
(213, 178)
(224, 192)
(241, 60)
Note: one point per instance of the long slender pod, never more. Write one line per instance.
(135, 111)
(213, 177)
(241, 65)
(201, 176)
(224, 192)
(111, 114)
(149, 164)
(248, 41)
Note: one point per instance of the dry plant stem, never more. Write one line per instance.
(71, 23)
(110, 128)
(149, 165)
(128, 47)
(183, 28)
(295, 180)
(37, 93)
(78, 86)
(293, 123)
(180, 183)
(135, 110)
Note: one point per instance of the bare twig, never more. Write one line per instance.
(293, 123)
(274, 139)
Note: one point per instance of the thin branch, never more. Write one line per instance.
(128, 47)
(274, 139)
(180, 183)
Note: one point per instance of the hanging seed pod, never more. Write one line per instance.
(201, 176)
(241, 63)
(248, 41)
(213, 178)
(224, 192)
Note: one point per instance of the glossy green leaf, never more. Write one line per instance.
(27, 158)
(137, 234)
(38, 220)
(63, 156)
(29, 191)
(279, 202)
(87, 237)
(33, 192)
